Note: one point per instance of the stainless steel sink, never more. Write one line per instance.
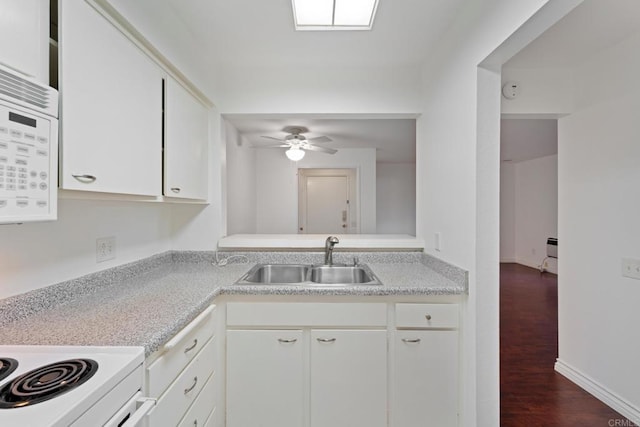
(309, 275)
(277, 273)
(339, 275)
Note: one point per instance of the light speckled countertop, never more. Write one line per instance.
(147, 302)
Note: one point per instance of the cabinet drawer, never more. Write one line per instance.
(185, 389)
(307, 314)
(427, 316)
(203, 406)
(187, 344)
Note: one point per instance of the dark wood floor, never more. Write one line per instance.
(531, 392)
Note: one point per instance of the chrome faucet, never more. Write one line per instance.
(328, 249)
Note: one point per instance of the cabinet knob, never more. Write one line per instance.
(326, 339)
(85, 178)
(428, 317)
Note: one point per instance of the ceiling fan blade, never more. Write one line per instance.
(320, 149)
(271, 137)
(271, 146)
(320, 139)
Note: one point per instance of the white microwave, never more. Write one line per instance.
(28, 149)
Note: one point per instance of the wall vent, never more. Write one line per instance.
(28, 93)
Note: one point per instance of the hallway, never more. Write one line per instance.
(531, 393)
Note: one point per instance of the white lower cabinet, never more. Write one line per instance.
(182, 376)
(426, 379)
(201, 410)
(348, 374)
(333, 364)
(265, 378)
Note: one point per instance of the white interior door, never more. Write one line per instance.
(325, 205)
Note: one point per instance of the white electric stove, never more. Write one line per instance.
(71, 386)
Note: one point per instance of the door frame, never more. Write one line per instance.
(353, 197)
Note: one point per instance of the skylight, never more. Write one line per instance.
(334, 14)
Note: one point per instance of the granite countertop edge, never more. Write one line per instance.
(158, 282)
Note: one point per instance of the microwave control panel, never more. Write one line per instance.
(27, 173)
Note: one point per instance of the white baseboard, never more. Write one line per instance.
(599, 391)
(508, 261)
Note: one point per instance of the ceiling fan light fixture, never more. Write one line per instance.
(294, 153)
(319, 15)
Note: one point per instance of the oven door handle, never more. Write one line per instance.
(133, 419)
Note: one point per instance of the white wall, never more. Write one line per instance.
(241, 183)
(317, 90)
(545, 91)
(507, 212)
(599, 207)
(536, 210)
(277, 186)
(396, 198)
(528, 190)
(41, 254)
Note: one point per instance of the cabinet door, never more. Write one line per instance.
(186, 140)
(111, 107)
(426, 379)
(348, 378)
(265, 378)
(24, 37)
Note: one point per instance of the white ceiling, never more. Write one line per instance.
(591, 27)
(393, 138)
(261, 32)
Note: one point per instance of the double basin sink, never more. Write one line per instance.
(309, 275)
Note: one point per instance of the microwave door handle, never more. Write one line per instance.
(141, 412)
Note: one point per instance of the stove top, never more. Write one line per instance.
(46, 382)
(54, 386)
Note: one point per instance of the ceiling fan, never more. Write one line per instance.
(297, 142)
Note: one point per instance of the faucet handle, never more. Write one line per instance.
(356, 261)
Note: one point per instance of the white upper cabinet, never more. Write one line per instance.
(24, 37)
(186, 140)
(111, 107)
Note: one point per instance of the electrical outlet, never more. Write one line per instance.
(631, 268)
(105, 248)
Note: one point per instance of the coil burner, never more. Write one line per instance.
(46, 382)
(7, 366)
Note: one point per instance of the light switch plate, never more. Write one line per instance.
(105, 248)
(631, 268)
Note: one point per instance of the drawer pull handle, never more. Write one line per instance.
(175, 189)
(87, 179)
(409, 340)
(188, 349)
(176, 340)
(428, 317)
(326, 339)
(287, 341)
(195, 381)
